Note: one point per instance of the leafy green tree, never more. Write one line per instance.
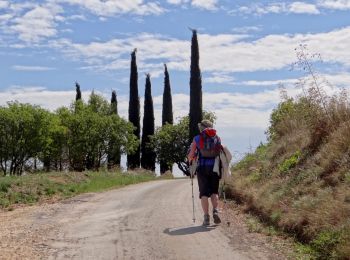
(134, 111)
(95, 115)
(23, 132)
(114, 155)
(167, 112)
(90, 127)
(195, 89)
(148, 156)
(171, 142)
(54, 147)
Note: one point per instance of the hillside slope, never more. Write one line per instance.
(300, 180)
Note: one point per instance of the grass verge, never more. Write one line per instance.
(36, 188)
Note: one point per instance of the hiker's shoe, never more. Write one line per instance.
(206, 221)
(216, 217)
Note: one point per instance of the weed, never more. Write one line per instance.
(325, 244)
(255, 176)
(289, 163)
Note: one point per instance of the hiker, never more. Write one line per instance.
(204, 149)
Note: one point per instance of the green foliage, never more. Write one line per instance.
(247, 161)
(325, 244)
(347, 177)
(23, 132)
(275, 216)
(78, 137)
(255, 176)
(278, 115)
(290, 163)
(89, 131)
(171, 142)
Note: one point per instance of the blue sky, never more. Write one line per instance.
(246, 50)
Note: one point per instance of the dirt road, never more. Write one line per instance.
(145, 221)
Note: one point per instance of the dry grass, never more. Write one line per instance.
(300, 181)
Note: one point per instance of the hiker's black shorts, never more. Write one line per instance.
(208, 181)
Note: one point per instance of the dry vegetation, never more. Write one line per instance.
(300, 180)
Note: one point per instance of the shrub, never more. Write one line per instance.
(290, 162)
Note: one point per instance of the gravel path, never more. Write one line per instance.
(145, 221)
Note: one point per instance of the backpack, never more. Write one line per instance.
(209, 146)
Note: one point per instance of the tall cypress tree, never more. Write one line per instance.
(195, 88)
(134, 111)
(148, 156)
(114, 153)
(167, 112)
(114, 103)
(78, 92)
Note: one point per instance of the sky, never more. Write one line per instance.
(247, 51)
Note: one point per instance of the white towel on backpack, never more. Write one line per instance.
(224, 158)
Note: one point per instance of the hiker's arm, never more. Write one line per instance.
(192, 154)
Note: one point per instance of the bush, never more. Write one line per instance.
(289, 163)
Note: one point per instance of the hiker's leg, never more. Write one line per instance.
(205, 204)
(214, 200)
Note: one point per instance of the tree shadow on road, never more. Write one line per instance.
(180, 231)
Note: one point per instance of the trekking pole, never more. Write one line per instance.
(194, 217)
(225, 201)
(192, 168)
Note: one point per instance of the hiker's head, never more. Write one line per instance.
(205, 124)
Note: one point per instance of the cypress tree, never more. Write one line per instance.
(134, 111)
(167, 112)
(78, 92)
(167, 115)
(148, 156)
(114, 103)
(195, 89)
(114, 153)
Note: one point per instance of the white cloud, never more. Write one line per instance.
(218, 77)
(303, 8)
(335, 4)
(277, 8)
(205, 4)
(4, 18)
(4, 4)
(268, 83)
(33, 22)
(37, 23)
(224, 53)
(115, 7)
(201, 4)
(177, 2)
(31, 68)
(246, 29)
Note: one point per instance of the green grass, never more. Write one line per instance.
(39, 187)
